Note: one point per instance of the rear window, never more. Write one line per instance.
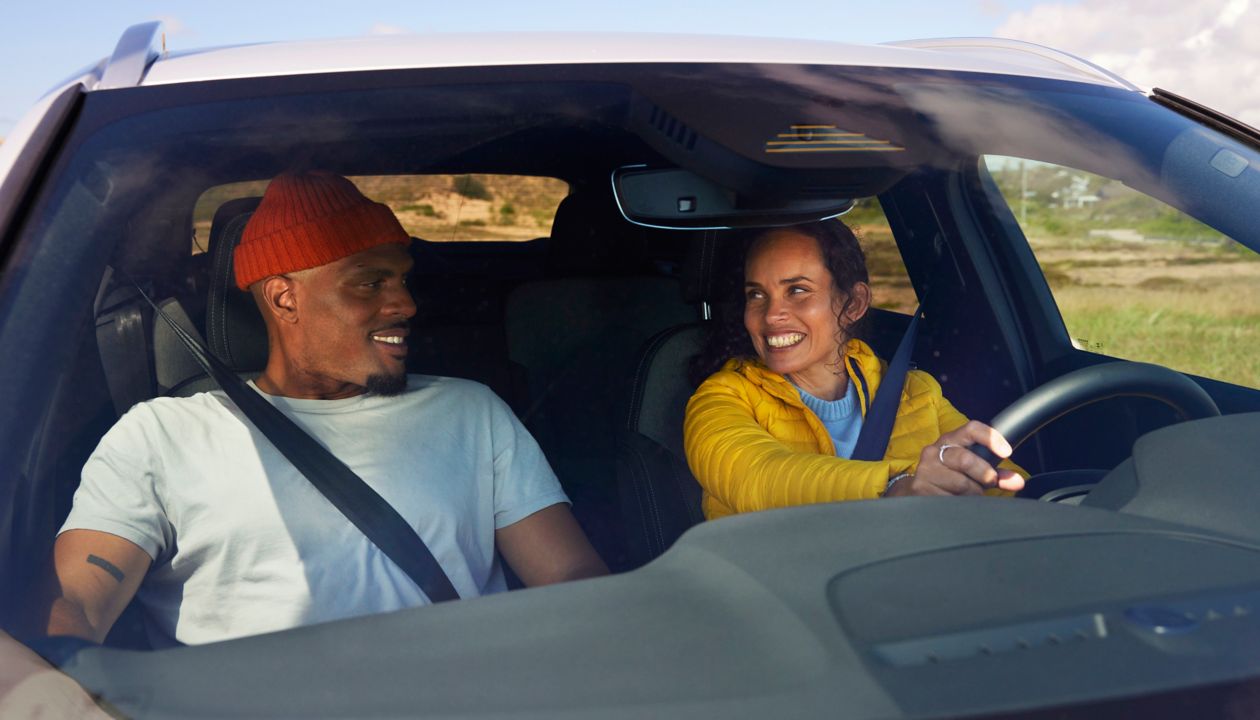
(890, 284)
(437, 208)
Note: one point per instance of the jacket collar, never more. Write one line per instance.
(864, 368)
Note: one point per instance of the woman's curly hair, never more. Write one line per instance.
(726, 336)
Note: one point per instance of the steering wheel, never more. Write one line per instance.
(1089, 385)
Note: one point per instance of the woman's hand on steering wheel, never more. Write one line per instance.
(947, 467)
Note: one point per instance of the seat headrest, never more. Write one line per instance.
(590, 237)
(234, 327)
(698, 267)
(713, 267)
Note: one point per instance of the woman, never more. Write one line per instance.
(775, 425)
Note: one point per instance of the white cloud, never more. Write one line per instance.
(1208, 51)
(386, 29)
(1234, 12)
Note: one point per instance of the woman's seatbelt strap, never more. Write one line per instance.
(877, 425)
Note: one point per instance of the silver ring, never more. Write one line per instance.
(940, 454)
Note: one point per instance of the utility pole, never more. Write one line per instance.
(1023, 194)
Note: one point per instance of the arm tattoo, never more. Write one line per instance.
(107, 566)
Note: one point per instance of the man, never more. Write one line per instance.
(229, 538)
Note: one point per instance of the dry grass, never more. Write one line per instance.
(1192, 307)
(1207, 326)
(511, 208)
(889, 284)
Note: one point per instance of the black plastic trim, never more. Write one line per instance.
(33, 160)
(1032, 300)
(1215, 119)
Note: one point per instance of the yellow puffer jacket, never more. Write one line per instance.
(753, 444)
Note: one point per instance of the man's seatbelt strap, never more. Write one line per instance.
(369, 512)
(878, 424)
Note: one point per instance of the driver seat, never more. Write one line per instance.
(659, 497)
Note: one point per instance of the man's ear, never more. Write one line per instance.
(276, 297)
(859, 303)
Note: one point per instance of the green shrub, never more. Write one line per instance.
(470, 187)
(1057, 278)
(507, 214)
(424, 209)
(1164, 282)
(1173, 225)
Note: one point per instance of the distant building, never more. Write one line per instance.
(1076, 194)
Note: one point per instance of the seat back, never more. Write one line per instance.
(660, 386)
(234, 327)
(140, 354)
(124, 326)
(444, 341)
(577, 334)
(175, 368)
(660, 499)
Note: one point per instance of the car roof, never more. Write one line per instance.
(141, 58)
(981, 55)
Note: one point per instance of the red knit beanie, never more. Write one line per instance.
(310, 219)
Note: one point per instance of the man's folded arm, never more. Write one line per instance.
(93, 576)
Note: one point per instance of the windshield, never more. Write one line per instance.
(1041, 226)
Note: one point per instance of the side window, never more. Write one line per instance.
(890, 285)
(437, 208)
(1133, 277)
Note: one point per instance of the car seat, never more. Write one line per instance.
(235, 331)
(659, 497)
(577, 333)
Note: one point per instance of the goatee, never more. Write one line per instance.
(386, 384)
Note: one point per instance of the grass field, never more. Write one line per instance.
(1190, 306)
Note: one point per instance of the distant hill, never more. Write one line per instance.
(1064, 203)
(435, 207)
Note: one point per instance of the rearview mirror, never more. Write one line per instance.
(678, 199)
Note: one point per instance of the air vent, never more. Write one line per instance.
(1186, 615)
(826, 138)
(996, 641)
(1165, 618)
(672, 128)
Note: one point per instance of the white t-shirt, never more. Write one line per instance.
(242, 543)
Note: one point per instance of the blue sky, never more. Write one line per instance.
(43, 42)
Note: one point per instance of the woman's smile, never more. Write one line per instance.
(784, 341)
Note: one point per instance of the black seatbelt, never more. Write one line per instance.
(369, 512)
(877, 426)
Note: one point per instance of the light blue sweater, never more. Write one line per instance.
(842, 418)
